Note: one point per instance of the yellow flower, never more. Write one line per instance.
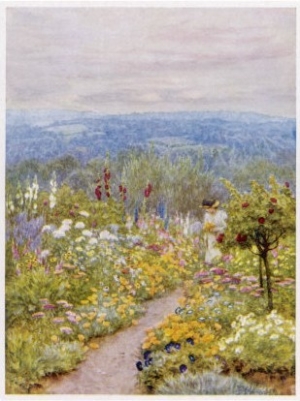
(93, 345)
(80, 337)
(182, 301)
(146, 345)
(54, 338)
(217, 326)
(131, 312)
(106, 324)
(93, 289)
(92, 315)
(86, 325)
(84, 302)
(101, 318)
(207, 338)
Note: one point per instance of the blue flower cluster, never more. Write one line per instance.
(28, 231)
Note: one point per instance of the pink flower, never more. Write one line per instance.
(245, 289)
(218, 271)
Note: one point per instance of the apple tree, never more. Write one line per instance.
(257, 221)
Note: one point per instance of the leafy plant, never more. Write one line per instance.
(257, 221)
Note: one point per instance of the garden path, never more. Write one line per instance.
(111, 368)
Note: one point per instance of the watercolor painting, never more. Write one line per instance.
(150, 200)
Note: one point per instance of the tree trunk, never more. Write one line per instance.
(261, 281)
(269, 287)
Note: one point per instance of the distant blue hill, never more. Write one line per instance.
(49, 134)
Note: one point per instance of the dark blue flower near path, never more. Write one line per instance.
(139, 366)
(182, 368)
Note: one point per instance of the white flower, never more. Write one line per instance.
(67, 222)
(292, 337)
(222, 347)
(79, 224)
(239, 350)
(47, 228)
(121, 261)
(52, 200)
(93, 241)
(84, 213)
(44, 253)
(106, 235)
(229, 340)
(79, 239)
(261, 332)
(274, 337)
(79, 249)
(58, 234)
(87, 233)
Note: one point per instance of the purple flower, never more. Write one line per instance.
(252, 279)
(218, 271)
(182, 368)
(49, 306)
(66, 330)
(58, 320)
(246, 289)
(226, 280)
(38, 315)
(202, 273)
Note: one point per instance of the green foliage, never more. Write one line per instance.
(259, 214)
(29, 357)
(258, 220)
(208, 383)
(266, 343)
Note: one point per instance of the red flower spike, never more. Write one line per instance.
(273, 200)
(124, 190)
(108, 194)
(287, 184)
(245, 204)
(98, 192)
(106, 186)
(220, 238)
(120, 188)
(124, 198)
(261, 220)
(271, 211)
(146, 193)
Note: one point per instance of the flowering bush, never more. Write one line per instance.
(258, 221)
(78, 270)
(265, 342)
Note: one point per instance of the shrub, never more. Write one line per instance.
(208, 383)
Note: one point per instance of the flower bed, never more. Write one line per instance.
(71, 279)
(222, 326)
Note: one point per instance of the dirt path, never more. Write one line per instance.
(111, 369)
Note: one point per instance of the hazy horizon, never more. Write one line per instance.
(122, 60)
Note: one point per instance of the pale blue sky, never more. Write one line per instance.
(123, 60)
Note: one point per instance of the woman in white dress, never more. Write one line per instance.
(213, 227)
